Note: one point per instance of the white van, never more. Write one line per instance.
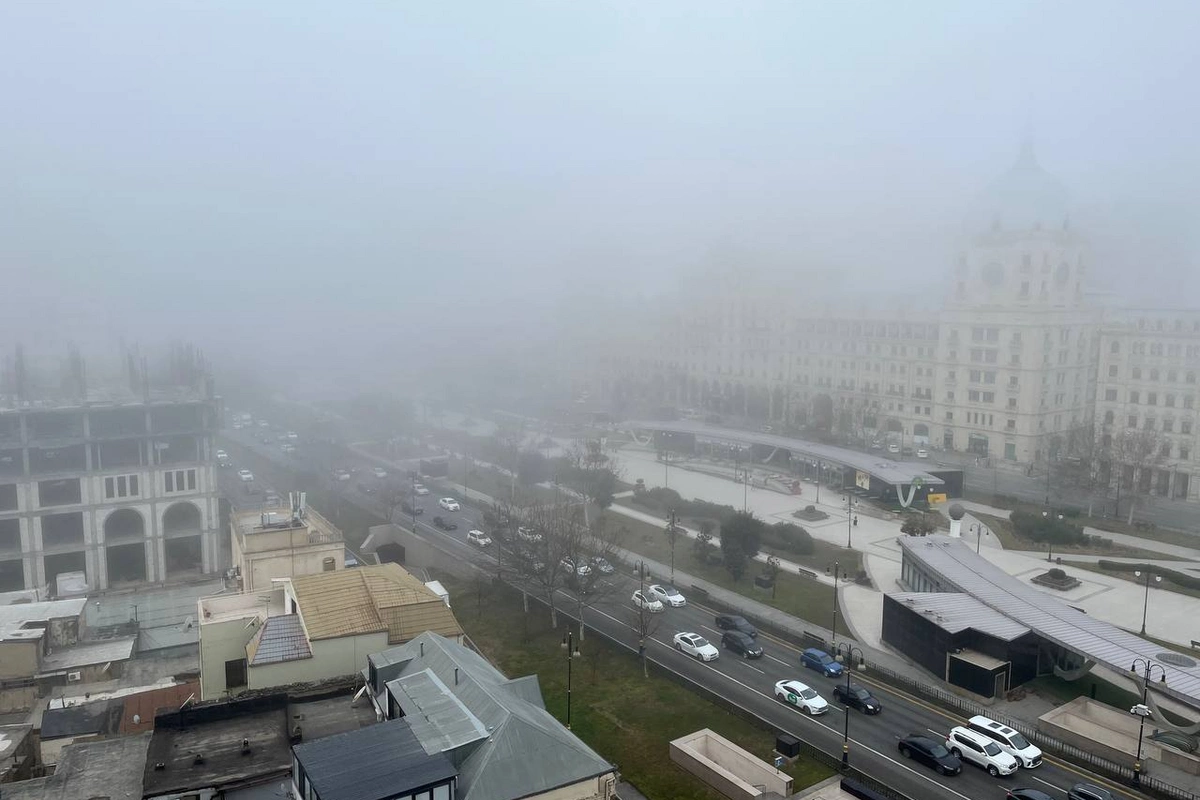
(1010, 741)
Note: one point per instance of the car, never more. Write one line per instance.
(645, 601)
(293, 435)
(602, 565)
(1027, 794)
(893, 448)
(857, 697)
(568, 564)
(669, 595)
(802, 696)
(922, 452)
(742, 644)
(341, 475)
(733, 622)
(696, 645)
(478, 538)
(365, 489)
(930, 753)
(1011, 741)
(449, 504)
(262, 423)
(287, 448)
(410, 509)
(419, 490)
(379, 472)
(822, 662)
(222, 455)
(528, 535)
(1088, 791)
(977, 749)
(444, 524)
(237, 426)
(245, 475)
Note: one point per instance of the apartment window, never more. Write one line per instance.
(1110, 395)
(1133, 398)
(1168, 426)
(1108, 417)
(1187, 401)
(1151, 398)
(180, 480)
(1011, 425)
(1115, 348)
(1131, 421)
(1137, 373)
(1172, 376)
(1165, 450)
(1185, 426)
(1012, 403)
(117, 486)
(950, 396)
(1184, 452)
(1112, 370)
(989, 397)
(1153, 374)
(1024, 288)
(1148, 424)
(949, 416)
(1169, 401)
(973, 396)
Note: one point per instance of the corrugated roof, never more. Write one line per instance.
(1105, 643)
(441, 721)
(371, 763)
(279, 639)
(86, 654)
(955, 612)
(897, 473)
(353, 601)
(521, 730)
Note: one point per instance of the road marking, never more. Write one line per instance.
(714, 630)
(1048, 783)
(777, 660)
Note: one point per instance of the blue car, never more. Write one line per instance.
(821, 661)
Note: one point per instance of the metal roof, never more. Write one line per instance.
(371, 763)
(954, 612)
(960, 567)
(896, 473)
(441, 721)
(519, 730)
(13, 617)
(280, 638)
(86, 654)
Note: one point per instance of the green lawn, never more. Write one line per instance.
(626, 718)
(797, 595)
(1011, 540)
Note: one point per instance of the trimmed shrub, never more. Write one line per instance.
(789, 537)
(1047, 529)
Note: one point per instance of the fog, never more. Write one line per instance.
(374, 187)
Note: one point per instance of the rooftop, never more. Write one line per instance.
(86, 654)
(279, 639)
(954, 612)
(273, 529)
(14, 617)
(967, 572)
(371, 764)
(102, 768)
(896, 473)
(230, 607)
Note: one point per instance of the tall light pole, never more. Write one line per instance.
(980, 532)
(1050, 542)
(1146, 598)
(672, 533)
(850, 503)
(568, 644)
(1147, 666)
(818, 499)
(836, 575)
(845, 653)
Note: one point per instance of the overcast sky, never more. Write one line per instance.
(282, 174)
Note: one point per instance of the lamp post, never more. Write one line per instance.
(1142, 710)
(980, 532)
(1050, 541)
(568, 644)
(1146, 598)
(836, 575)
(845, 653)
(818, 498)
(850, 503)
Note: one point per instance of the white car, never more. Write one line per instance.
(696, 645)
(293, 435)
(980, 751)
(478, 538)
(222, 455)
(379, 472)
(922, 453)
(893, 448)
(245, 475)
(669, 595)
(802, 696)
(342, 475)
(647, 602)
(568, 565)
(528, 535)
(449, 504)
(420, 490)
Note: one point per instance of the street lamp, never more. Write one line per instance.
(850, 503)
(1142, 710)
(1050, 541)
(568, 644)
(1146, 598)
(836, 576)
(845, 654)
(980, 532)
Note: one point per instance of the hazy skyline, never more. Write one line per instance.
(354, 179)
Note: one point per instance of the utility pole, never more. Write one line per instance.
(672, 533)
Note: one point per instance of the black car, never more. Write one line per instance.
(1088, 791)
(857, 697)
(733, 622)
(742, 644)
(444, 524)
(930, 753)
(411, 510)
(1028, 794)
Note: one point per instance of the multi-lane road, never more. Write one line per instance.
(873, 741)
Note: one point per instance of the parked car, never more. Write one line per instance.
(420, 490)
(733, 622)
(802, 696)
(568, 565)
(930, 753)
(478, 538)
(642, 600)
(1088, 791)
(1010, 741)
(449, 504)
(893, 448)
(821, 661)
(410, 509)
(1027, 794)
(922, 452)
(696, 645)
(245, 475)
(379, 472)
(857, 697)
(528, 535)
(222, 455)
(444, 524)
(602, 565)
(669, 595)
(977, 749)
(742, 644)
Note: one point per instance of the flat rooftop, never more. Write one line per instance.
(102, 768)
(277, 519)
(14, 617)
(229, 607)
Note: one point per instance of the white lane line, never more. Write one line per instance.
(714, 630)
(815, 721)
(1048, 783)
(777, 660)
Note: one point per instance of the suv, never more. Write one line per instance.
(1088, 791)
(444, 524)
(1010, 741)
(980, 751)
(410, 509)
(821, 661)
(741, 643)
(732, 622)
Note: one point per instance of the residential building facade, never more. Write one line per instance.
(283, 542)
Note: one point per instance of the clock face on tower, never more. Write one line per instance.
(993, 274)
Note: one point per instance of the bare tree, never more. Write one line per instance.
(644, 623)
(590, 566)
(1136, 452)
(1082, 465)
